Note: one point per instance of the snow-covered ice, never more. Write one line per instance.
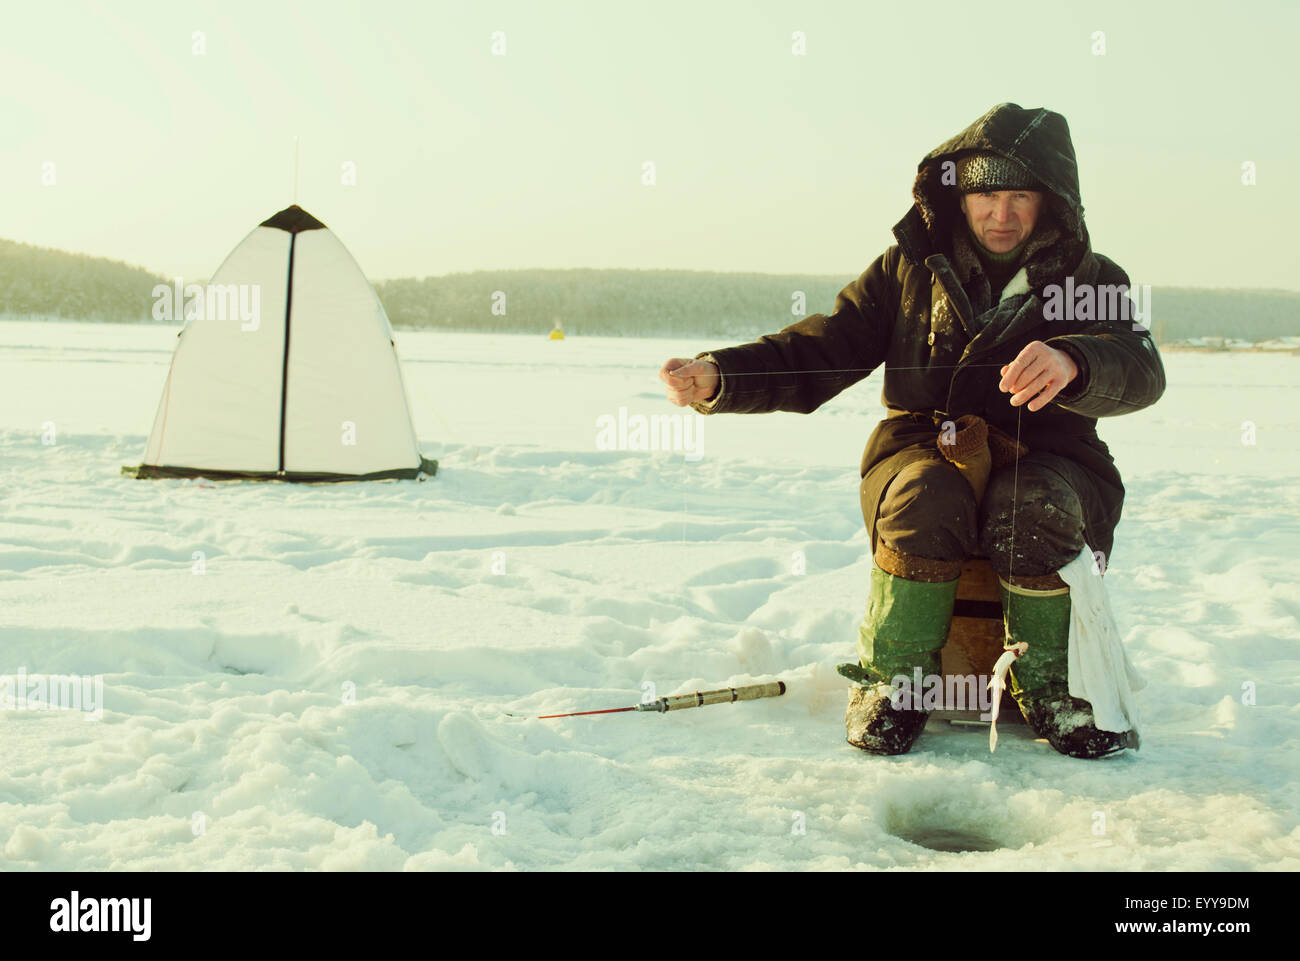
(537, 573)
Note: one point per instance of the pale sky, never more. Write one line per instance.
(765, 161)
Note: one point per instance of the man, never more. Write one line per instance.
(956, 313)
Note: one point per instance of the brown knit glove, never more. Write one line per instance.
(1003, 448)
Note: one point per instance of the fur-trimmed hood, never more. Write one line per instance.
(1036, 138)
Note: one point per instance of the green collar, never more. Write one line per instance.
(992, 259)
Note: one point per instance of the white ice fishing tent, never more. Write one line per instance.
(308, 389)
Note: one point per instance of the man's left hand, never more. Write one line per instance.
(1037, 375)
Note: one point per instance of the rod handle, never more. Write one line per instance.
(725, 695)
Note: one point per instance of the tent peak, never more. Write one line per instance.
(294, 219)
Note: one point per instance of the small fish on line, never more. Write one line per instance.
(997, 683)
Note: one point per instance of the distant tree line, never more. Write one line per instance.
(635, 303)
(629, 303)
(1183, 313)
(41, 282)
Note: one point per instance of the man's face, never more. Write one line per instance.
(1002, 219)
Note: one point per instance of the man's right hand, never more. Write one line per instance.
(689, 381)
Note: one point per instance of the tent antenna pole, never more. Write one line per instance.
(295, 170)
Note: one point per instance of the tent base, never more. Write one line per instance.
(427, 468)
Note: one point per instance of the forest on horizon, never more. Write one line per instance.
(43, 283)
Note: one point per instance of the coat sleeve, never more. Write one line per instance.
(809, 362)
(1119, 368)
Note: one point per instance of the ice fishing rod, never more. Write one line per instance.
(679, 702)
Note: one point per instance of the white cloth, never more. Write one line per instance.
(1019, 284)
(1100, 671)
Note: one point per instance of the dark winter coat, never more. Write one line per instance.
(924, 310)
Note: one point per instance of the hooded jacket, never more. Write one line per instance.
(924, 309)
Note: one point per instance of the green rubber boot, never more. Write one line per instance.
(905, 627)
(1040, 677)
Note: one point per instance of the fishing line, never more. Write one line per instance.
(840, 370)
(1015, 482)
